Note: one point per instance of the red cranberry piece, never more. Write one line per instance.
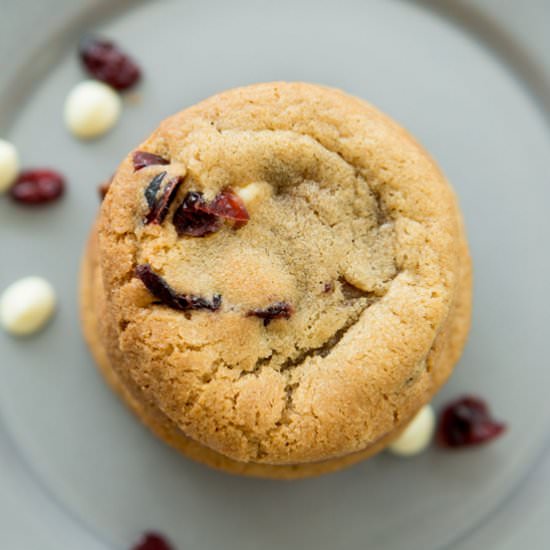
(328, 287)
(105, 61)
(192, 217)
(197, 218)
(161, 290)
(153, 541)
(152, 189)
(37, 186)
(141, 159)
(159, 205)
(165, 200)
(229, 206)
(277, 310)
(467, 422)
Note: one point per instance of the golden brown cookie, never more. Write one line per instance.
(280, 283)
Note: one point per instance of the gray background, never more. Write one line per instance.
(523, 520)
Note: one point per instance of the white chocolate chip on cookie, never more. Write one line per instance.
(252, 193)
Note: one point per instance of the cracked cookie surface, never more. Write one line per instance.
(334, 296)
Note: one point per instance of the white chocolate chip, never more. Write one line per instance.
(91, 109)
(417, 435)
(9, 165)
(251, 193)
(26, 305)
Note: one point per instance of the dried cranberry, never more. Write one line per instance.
(38, 186)
(105, 61)
(277, 310)
(152, 189)
(467, 421)
(192, 218)
(197, 218)
(229, 206)
(159, 205)
(153, 541)
(161, 290)
(328, 287)
(141, 159)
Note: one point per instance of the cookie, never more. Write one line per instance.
(92, 309)
(279, 280)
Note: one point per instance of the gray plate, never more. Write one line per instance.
(103, 479)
